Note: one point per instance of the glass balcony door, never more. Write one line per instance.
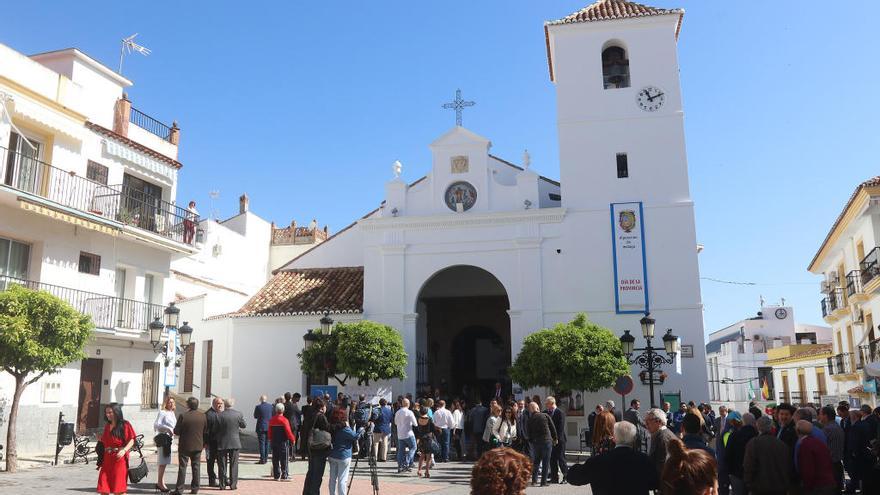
(22, 164)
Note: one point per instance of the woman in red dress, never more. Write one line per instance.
(118, 439)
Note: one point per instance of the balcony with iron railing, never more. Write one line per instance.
(107, 312)
(841, 364)
(870, 352)
(116, 202)
(853, 283)
(797, 398)
(869, 267)
(151, 125)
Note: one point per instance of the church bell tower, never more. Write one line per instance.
(619, 108)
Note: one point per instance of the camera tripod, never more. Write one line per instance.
(371, 462)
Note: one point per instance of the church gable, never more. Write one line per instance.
(309, 291)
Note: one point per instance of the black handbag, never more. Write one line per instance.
(138, 473)
(319, 440)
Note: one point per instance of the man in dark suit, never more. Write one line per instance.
(633, 416)
(557, 457)
(263, 413)
(213, 418)
(622, 470)
(229, 424)
(191, 429)
(478, 417)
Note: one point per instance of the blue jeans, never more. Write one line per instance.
(541, 453)
(263, 441)
(338, 475)
(445, 435)
(404, 458)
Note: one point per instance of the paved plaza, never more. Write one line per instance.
(254, 479)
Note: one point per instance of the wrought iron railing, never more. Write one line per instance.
(149, 124)
(841, 364)
(870, 266)
(870, 352)
(120, 203)
(797, 398)
(817, 396)
(106, 311)
(853, 283)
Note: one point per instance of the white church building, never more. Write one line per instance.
(480, 252)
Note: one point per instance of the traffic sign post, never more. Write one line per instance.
(623, 386)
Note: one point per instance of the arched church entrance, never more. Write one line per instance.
(463, 333)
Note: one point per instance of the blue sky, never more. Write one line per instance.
(304, 105)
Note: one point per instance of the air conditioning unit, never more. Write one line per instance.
(217, 250)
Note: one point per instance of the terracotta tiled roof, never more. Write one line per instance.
(605, 10)
(608, 10)
(872, 182)
(309, 291)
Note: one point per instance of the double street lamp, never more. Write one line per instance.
(648, 359)
(310, 338)
(167, 347)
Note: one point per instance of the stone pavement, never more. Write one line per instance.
(255, 479)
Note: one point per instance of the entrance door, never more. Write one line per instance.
(89, 412)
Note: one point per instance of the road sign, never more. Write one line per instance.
(624, 385)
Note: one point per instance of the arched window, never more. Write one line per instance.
(615, 67)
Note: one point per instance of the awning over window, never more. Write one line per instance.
(155, 166)
(69, 218)
(44, 116)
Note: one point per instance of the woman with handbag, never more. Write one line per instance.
(164, 428)
(507, 430)
(319, 449)
(493, 425)
(427, 443)
(118, 439)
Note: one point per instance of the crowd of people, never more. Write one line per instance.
(517, 443)
(781, 450)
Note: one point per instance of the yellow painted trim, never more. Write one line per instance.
(871, 286)
(774, 362)
(80, 118)
(66, 217)
(851, 213)
(846, 377)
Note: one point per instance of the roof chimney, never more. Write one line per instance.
(243, 204)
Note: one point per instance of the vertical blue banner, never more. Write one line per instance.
(630, 263)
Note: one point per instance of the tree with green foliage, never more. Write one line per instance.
(39, 333)
(365, 350)
(578, 355)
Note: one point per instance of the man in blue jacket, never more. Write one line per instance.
(263, 413)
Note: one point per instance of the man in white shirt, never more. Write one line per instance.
(443, 420)
(405, 420)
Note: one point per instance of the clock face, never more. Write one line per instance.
(460, 196)
(651, 98)
(781, 313)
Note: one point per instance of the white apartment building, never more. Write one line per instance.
(235, 262)
(736, 355)
(849, 262)
(88, 185)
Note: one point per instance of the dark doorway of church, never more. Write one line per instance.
(463, 334)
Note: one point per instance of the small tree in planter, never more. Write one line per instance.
(578, 355)
(39, 333)
(364, 350)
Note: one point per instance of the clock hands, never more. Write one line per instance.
(651, 98)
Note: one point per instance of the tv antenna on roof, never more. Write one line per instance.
(214, 195)
(128, 46)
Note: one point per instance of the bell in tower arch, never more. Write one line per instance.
(615, 68)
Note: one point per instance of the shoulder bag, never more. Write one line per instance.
(139, 472)
(319, 439)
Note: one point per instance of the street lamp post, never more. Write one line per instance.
(311, 337)
(172, 318)
(649, 359)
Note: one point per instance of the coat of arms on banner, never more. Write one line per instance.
(627, 220)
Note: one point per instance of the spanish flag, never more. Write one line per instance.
(765, 390)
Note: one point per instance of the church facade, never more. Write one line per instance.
(480, 252)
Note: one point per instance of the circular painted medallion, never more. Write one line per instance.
(460, 196)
